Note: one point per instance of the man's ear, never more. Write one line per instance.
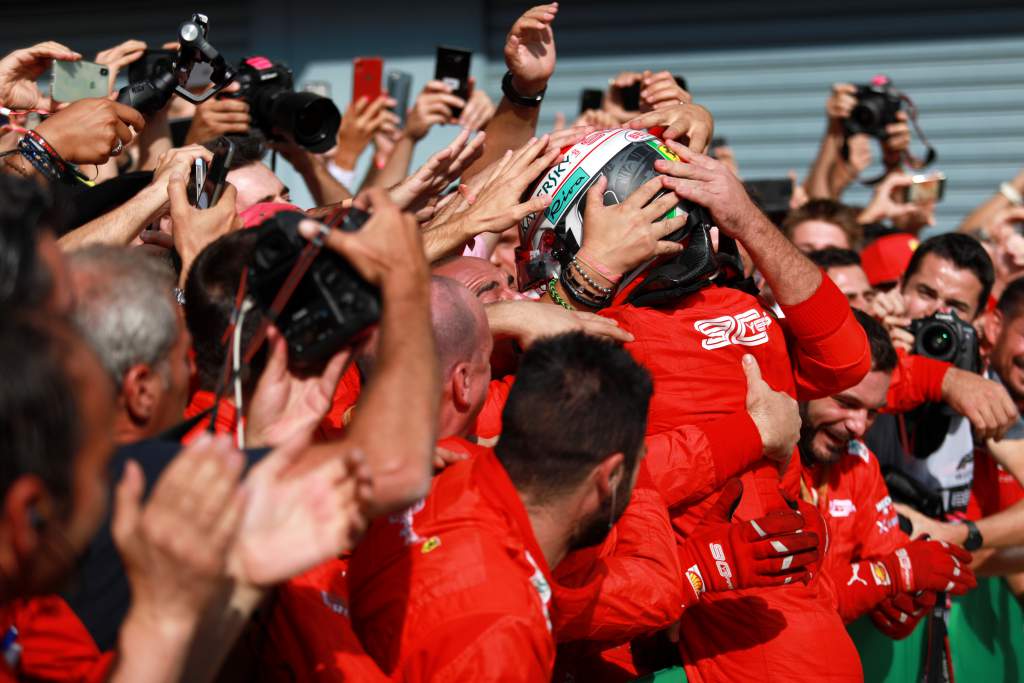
(25, 515)
(140, 391)
(460, 386)
(992, 326)
(609, 473)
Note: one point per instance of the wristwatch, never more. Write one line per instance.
(974, 539)
(517, 99)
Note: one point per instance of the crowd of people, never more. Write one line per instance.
(590, 433)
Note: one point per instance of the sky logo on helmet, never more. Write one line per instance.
(563, 198)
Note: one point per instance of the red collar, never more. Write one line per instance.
(202, 401)
(495, 486)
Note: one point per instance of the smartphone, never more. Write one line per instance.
(591, 99)
(923, 189)
(217, 176)
(145, 66)
(196, 180)
(681, 82)
(399, 87)
(73, 81)
(715, 144)
(771, 195)
(366, 78)
(629, 97)
(452, 69)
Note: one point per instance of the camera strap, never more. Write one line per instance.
(291, 282)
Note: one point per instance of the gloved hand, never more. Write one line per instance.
(931, 566)
(723, 555)
(897, 617)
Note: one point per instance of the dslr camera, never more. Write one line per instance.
(877, 106)
(309, 119)
(330, 304)
(946, 337)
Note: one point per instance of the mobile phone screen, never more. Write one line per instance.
(591, 99)
(216, 178)
(452, 69)
(196, 180)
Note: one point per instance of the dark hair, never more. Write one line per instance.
(39, 419)
(1011, 302)
(828, 211)
(965, 252)
(210, 292)
(248, 149)
(25, 208)
(576, 400)
(883, 353)
(834, 257)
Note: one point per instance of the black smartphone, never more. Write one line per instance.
(681, 82)
(149, 63)
(216, 177)
(630, 97)
(452, 69)
(771, 195)
(591, 99)
(399, 86)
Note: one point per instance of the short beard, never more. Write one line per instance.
(596, 529)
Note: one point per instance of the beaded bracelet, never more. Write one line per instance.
(587, 278)
(39, 159)
(578, 293)
(605, 272)
(556, 297)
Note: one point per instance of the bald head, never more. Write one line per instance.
(464, 350)
(459, 321)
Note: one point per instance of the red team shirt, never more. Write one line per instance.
(456, 588)
(694, 352)
(862, 525)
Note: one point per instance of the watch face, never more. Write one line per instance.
(973, 540)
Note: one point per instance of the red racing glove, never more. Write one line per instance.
(898, 617)
(930, 566)
(722, 555)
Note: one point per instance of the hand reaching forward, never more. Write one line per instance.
(299, 514)
(174, 548)
(530, 49)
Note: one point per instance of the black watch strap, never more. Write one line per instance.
(517, 99)
(974, 539)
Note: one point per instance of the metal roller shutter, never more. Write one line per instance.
(764, 69)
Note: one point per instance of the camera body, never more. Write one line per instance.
(945, 337)
(331, 304)
(877, 106)
(269, 88)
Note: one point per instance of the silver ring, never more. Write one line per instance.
(118, 148)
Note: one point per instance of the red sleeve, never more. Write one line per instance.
(915, 381)
(829, 348)
(56, 645)
(690, 462)
(488, 422)
(480, 647)
(631, 586)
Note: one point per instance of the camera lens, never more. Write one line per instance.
(867, 113)
(312, 120)
(938, 342)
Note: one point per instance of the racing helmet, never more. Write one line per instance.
(550, 238)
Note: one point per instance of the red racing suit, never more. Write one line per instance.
(862, 525)
(456, 588)
(308, 637)
(51, 644)
(630, 585)
(704, 436)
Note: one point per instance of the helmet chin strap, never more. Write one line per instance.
(697, 267)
